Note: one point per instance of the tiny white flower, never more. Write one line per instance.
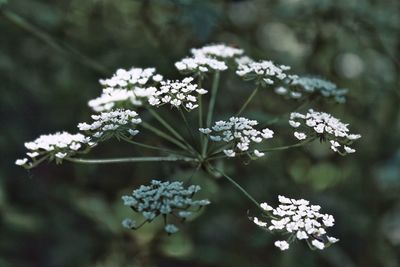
(32, 154)
(281, 90)
(201, 91)
(259, 223)
(301, 235)
(21, 162)
(230, 153)
(294, 124)
(300, 136)
(284, 200)
(258, 154)
(266, 207)
(60, 155)
(282, 245)
(157, 78)
(133, 132)
(205, 130)
(318, 244)
(332, 239)
(349, 149)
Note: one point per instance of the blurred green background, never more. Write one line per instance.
(52, 54)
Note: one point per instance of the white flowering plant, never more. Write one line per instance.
(132, 99)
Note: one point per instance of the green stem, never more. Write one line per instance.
(238, 186)
(187, 125)
(132, 159)
(200, 99)
(211, 106)
(171, 129)
(126, 139)
(247, 101)
(163, 135)
(269, 149)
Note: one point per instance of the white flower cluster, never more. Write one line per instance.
(53, 146)
(128, 78)
(200, 64)
(112, 123)
(299, 220)
(126, 88)
(325, 127)
(265, 72)
(221, 51)
(111, 98)
(163, 198)
(177, 93)
(298, 86)
(208, 58)
(240, 132)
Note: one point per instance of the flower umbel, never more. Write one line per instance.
(209, 58)
(117, 123)
(299, 220)
(325, 127)
(54, 146)
(165, 199)
(126, 88)
(239, 132)
(265, 72)
(177, 94)
(297, 87)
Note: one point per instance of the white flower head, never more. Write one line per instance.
(299, 220)
(240, 133)
(54, 146)
(297, 87)
(264, 72)
(177, 94)
(325, 127)
(209, 58)
(133, 77)
(200, 64)
(114, 122)
(165, 199)
(126, 88)
(220, 51)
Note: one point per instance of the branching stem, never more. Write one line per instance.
(131, 159)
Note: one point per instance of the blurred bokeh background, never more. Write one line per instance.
(52, 54)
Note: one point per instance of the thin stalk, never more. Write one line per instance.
(170, 129)
(270, 149)
(238, 186)
(187, 125)
(211, 106)
(37, 162)
(194, 173)
(162, 149)
(200, 100)
(163, 135)
(247, 101)
(219, 149)
(132, 159)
